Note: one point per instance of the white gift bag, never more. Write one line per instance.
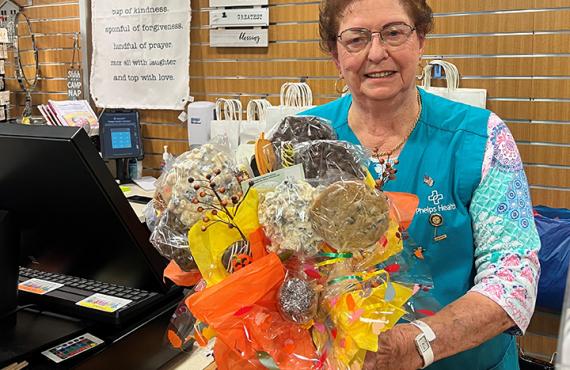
(474, 97)
(255, 122)
(227, 122)
(294, 98)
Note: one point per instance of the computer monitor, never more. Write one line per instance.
(71, 215)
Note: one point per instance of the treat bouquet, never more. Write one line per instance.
(300, 273)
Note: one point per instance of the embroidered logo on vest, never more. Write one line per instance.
(437, 204)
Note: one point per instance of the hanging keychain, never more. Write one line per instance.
(74, 84)
(26, 85)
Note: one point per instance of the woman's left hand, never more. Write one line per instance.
(396, 350)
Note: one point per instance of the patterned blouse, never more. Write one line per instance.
(506, 241)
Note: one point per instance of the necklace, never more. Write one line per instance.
(388, 153)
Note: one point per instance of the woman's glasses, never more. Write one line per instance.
(356, 39)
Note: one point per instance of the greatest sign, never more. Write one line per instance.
(239, 17)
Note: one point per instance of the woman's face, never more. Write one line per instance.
(379, 71)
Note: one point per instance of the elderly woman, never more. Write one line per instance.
(474, 222)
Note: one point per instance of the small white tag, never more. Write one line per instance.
(183, 116)
(38, 286)
(103, 302)
(269, 181)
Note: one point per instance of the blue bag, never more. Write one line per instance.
(553, 226)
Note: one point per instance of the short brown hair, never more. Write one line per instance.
(332, 10)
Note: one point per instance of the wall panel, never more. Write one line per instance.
(484, 23)
(548, 176)
(537, 132)
(518, 54)
(467, 6)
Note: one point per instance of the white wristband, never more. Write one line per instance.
(423, 342)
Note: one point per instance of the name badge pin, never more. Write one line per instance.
(436, 220)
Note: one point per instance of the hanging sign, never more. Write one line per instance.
(241, 17)
(74, 84)
(141, 53)
(239, 38)
(222, 3)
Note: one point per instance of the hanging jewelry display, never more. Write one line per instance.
(25, 83)
(74, 84)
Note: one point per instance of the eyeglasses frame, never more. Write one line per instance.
(412, 29)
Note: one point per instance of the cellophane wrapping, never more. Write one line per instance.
(308, 275)
(324, 161)
(176, 196)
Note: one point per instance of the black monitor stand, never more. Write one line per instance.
(8, 264)
(122, 168)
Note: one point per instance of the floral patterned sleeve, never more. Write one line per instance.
(506, 240)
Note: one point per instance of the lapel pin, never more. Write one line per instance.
(436, 220)
(428, 181)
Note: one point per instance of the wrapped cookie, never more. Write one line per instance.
(284, 215)
(197, 164)
(177, 193)
(325, 161)
(350, 216)
(299, 129)
(292, 130)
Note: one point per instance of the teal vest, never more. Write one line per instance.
(446, 147)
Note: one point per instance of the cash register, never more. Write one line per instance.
(83, 253)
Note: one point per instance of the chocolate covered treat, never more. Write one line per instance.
(283, 213)
(350, 216)
(196, 164)
(327, 161)
(297, 300)
(302, 128)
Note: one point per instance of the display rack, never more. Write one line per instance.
(4, 94)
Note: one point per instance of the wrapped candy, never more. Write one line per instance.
(197, 163)
(175, 194)
(284, 215)
(297, 129)
(291, 130)
(324, 161)
(298, 298)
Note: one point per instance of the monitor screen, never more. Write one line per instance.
(71, 215)
(120, 135)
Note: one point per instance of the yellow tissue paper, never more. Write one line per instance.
(389, 246)
(208, 246)
(359, 319)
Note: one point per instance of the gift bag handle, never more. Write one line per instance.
(296, 94)
(257, 108)
(451, 74)
(231, 109)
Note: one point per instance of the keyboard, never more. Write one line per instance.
(75, 289)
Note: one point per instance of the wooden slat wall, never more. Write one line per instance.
(519, 55)
(516, 49)
(519, 50)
